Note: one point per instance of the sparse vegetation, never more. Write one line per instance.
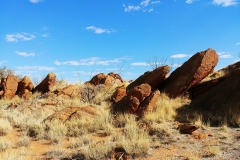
(97, 137)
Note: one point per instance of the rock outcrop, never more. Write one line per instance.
(153, 78)
(148, 104)
(224, 97)
(130, 103)
(9, 86)
(47, 84)
(25, 88)
(107, 79)
(190, 73)
(73, 112)
(118, 94)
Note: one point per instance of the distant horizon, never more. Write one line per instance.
(79, 39)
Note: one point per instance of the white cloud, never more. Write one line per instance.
(44, 28)
(131, 8)
(237, 60)
(220, 53)
(225, 3)
(143, 6)
(190, 1)
(91, 61)
(145, 3)
(24, 54)
(19, 36)
(150, 10)
(40, 68)
(1, 62)
(238, 43)
(225, 56)
(46, 35)
(99, 30)
(179, 56)
(35, 1)
(155, 2)
(140, 64)
(72, 63)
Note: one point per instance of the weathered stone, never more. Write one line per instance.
(72, 112)
(110, 81)
(130, 103)
(25, 94)
(187, 128)
(202, 87)
(127, 104)
(153, 78)
(148, 104)
(115, 76)
(140, 92)
(25, 83)
(69, 90)
(224, 97)
(190, 73)
(47, 84)
(118, 94)
(9, 86)
(98, 79)
(213, 79)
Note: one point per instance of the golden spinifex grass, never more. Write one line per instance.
(96, 137)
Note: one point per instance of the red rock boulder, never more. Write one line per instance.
(9, 86)
(223, 98)
(148, 104)
(70, 112)
(130, 103)
(23, 85)
(118, 94)
(47, 84)
(109, 80)
(153, 78)
(190, 73)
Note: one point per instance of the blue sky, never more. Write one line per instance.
(77, 39)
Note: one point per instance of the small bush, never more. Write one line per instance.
(5, 127)
(23, 142)
(4, 144)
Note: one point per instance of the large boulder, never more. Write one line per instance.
(98, 79)
(115, 76)
(73, 112)
(148, 104)
(213, 78)
(223, 98)
(9, 86)
(25, 94)
(190, 73)
(47, 84)
(118, 94)
(140, 92)
(106, 79)
(25, 86)
(153, 78)
(130, 103)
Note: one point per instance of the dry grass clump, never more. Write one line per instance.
(99, 150)
(54, 131)
(4, 144)
(23, 142)
(213, 151)
(56, 153)
(166, 109)
(13, 155)
(5, 127)
(134, 139)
